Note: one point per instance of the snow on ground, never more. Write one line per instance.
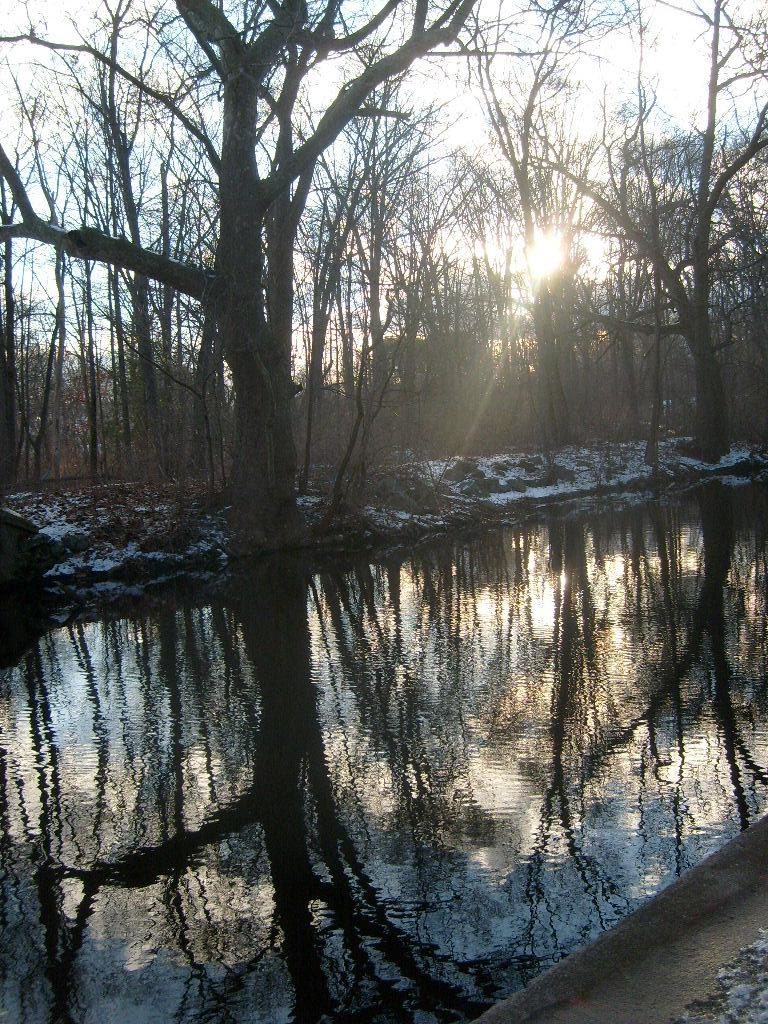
(136, 532)
(499, 483)
(123, 530)
(743, 990)
(574, 470)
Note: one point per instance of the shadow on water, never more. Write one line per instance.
(382, 793)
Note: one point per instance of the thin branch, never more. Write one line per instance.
(137, 83)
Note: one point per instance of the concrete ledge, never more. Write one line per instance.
(657, 961)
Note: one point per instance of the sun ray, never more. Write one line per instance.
(545, 254)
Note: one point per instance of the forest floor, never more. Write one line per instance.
(107, 541)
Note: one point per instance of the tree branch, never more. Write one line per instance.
(635, 326)
(208, 24)
(87, 243)
(165, 100)
(329, 43)
(758, 142)
(353, 94)
(11, 175)
(90, 244)
(621, 217)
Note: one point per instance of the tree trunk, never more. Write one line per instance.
(258, 352)
(58, 370)
(206, 369)
(346, 340)
(122, 376)
(554, 405)
(629, 379)
(652, 446)
(90, 378)
(172, 419)
(314, 384)
(264, 461)
(8, 377)
(142, 333)
(712, 431)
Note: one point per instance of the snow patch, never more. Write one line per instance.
(59, 530)
(743, 990)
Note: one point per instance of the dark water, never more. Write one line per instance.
(391, 793)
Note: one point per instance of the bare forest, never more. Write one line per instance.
(283, 246)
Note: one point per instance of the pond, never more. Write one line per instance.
(383, 792)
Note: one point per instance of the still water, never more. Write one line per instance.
(391, 792)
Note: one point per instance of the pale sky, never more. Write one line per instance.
(674, 58)
(675, 62)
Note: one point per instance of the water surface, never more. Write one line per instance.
(391, 792)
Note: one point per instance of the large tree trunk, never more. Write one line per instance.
(264, 463)
(8, 376)
(712, 431)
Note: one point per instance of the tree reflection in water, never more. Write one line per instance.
(392, 792)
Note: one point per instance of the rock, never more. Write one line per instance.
(422, 491)
(459, 470)
(13, 521)
(745, 467)
(555, 474)
(24, 554)
(490, 485)
(22, 622)
(531, 463)
(501, 466)
(506, 486)
(481, 486)
(393, 493)
(76, 541)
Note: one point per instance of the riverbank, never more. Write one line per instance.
(106, 541)
(697, 953)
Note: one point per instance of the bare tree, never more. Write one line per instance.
(261, 62)
(522, 109)
(676, 225)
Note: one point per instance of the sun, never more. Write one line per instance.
(545, 254)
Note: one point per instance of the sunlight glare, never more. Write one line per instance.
(545, 255)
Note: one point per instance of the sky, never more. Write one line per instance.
(675, 59)
(675, 63)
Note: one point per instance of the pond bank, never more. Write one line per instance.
(671, 960)
(102, 539)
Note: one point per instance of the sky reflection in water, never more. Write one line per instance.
(390, 793)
